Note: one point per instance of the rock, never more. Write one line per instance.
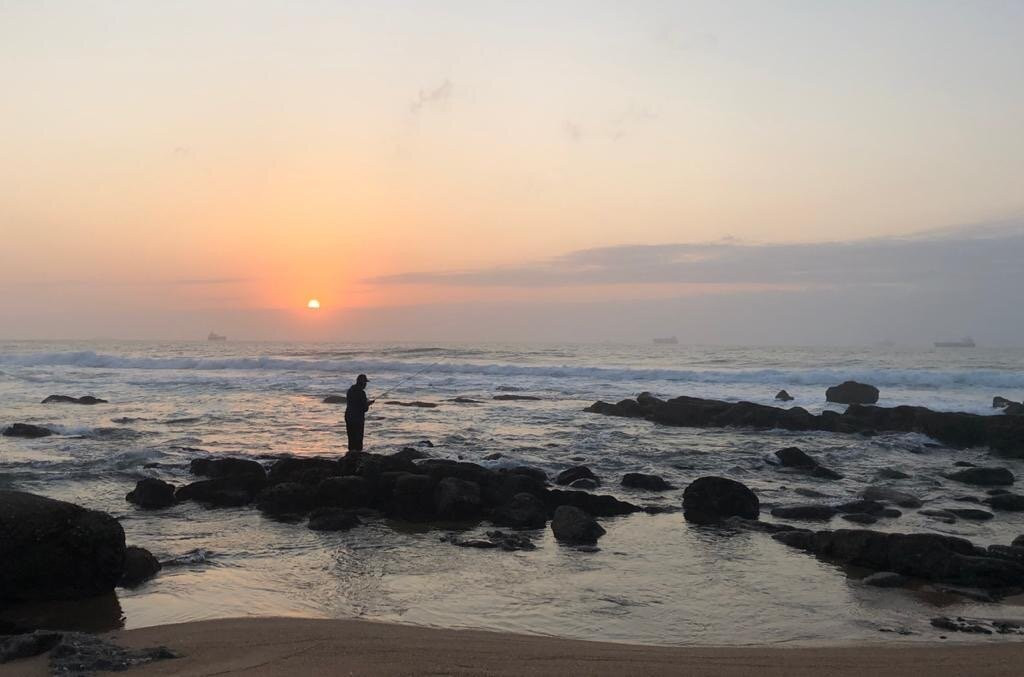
(903, 499)
(227, 467)
(495, 539)
(1015, 409)
(67, 399)
(306, 470)
(891, 474)
(26, 430)
(572, 525)
(861, 506)
(1001, 402)
(985, 477)
(515, 397)
(804, 512)
(890, 512)
(223, 492)
(942, 515)
(27, 645)
(413, 497)
(967, 499)
(335, 399)
(885, 579)
(965, 464)
(1010, 552)
(456, 499)
(635, 480)
(287, 499)
(711, 499)
(584, 483)
(151, 493)
(809, 493)
(1008, 502)
(744, 524)
(792, 457)
(81, 654)
(574, 473)
(333, 519)
(595, 504)
(344, 492)
(971, 513)
(535, 474)
(55, 550)
(783, 396)
(493, 457)
(1018, 542)
(851, 392)
(996, 492)
(859, 518)
(418, 404)
(464, 400)
(524, 511)
(139, 566)
(933, 557)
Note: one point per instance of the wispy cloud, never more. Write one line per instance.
(959, 257)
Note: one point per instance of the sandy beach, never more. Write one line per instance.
(295, 646)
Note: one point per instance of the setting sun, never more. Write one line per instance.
(313, 304)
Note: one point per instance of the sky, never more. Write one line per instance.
(728, 172)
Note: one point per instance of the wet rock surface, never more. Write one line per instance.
(139, 566)
(495, 539)
(67, 399)
(983, 477)
(573, 525)
(151, 494)
(26, 430)
(852, 392)
(635, 480)
(711, 499)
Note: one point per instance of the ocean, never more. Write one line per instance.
(653, 579)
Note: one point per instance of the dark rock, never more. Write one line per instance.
(303, 470)
(139, 566)
(333, 519)
(783, 396)
(16, 647)
(223, 492)
(407, 455)
(890, 512)
(997, 492)
(227, 467)
(464, 400)
(425, 443)
(971, 513)
(942, 515)
(456, 499)
(861, 506)
(413, 497)
(1010, 552)
(710, 499)
(515, 397)
(598, 505)
(151, 493)
(1008, 502)
(851, 392)
(792, 457)
(418, 404)
(635, 480)
(859, 518)
(287, 499)
(1018, 542)
(967, 499)
(804, 512)
(891, 474)
(1014, 409)
(1001, 402)
(572, 525)
(584, 483)
(344, 492)
(80, 654)
(745, 524)
(493, 457)
(809, 493)
(66, 399)
(495, 539)
(888, 494)
(524, 511)
(26, 430)
(55, 550)
(985, 477)
(335, 399)
(959, 625)
(965, 464)
(885, 579)
(574, 473)
(932, 557)
(534, 473)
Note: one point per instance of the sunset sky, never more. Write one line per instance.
(520, 170)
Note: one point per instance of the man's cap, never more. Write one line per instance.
(362, 379)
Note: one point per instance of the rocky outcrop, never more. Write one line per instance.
(573, 525)
(223, 492)
(139, 566)
(27, 430)
(67, 399)
(456, 499)
(151, 494)
(983, 477)
(524, 511)
(1001, 402)
(287, 500)
(55, 550)
(793, 457)
(712, 499)
(635, 480)
(887, 494)
(1007, 502)
(1004, 434)
(783, 396)
(227, 467)
(333, 519)
(574, 473)
(932, 557)
(851, 392)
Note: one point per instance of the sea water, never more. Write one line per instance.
(654, 578)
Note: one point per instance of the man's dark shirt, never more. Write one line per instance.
(356, 402)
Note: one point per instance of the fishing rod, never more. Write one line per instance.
(409, 378)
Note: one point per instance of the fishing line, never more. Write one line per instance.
(409, 378)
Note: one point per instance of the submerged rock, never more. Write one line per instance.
(67, 399)
(971, 513)
(335, 399)
(227, 467)
(151, 493)
(55, 550)
(711, 499)
(417, 403)
(574, 473)
(572, 525)
(223, 492)
(139, 566)
(333, 519)
(851, 392)
(635, 480)
(1008, 502)
(793, 457)
(783, 396)
(883, 493)
(515, 397)
(985, 477)
(584, 483)
(813, 512)
(885, 579)
(859, 518)
(933, 557)
(524, 511)
(891, 474)
(26, 430)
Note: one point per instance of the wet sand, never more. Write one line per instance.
(296, 646)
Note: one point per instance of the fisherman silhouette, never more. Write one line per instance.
(356, 405)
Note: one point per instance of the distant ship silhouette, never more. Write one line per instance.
(669, 340)
(966, 342)
(216, 337)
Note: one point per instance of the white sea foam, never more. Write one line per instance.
(911, 378)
